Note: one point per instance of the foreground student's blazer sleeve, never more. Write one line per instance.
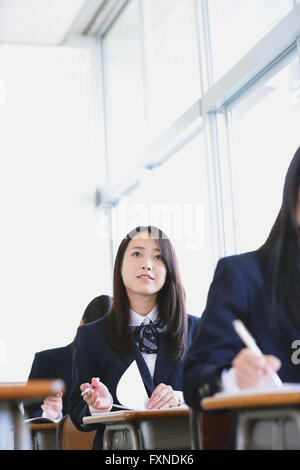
(215, 343)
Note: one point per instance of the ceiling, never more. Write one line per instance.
(46, 22)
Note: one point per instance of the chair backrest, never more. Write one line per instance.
(43, 435)
(69, 438)
(210, 431)
(215, 429)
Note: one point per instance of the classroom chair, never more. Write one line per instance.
(210, 431)
(43, 435)
(69, 438)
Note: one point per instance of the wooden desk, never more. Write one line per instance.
(138, 430)
(10, 416)
(266, 420)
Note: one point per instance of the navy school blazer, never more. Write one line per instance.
(52, 364)
(95, 357)
(237, 291)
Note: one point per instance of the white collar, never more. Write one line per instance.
(137, 320)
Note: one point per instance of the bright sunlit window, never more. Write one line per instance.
(173, 61)
(175, 198)
(236, 25)
(124, 92)
(266, 135)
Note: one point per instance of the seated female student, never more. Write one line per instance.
(57, 363)
(148, 298)
(262, 289)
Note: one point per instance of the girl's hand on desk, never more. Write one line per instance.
(98, 397)
(52, 406)
(252, 370)
(163, 397)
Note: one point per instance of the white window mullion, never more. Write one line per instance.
(146, 51)
(274, 45)
(214, 184)
(226, 182)
(204, 44)
(211, 137)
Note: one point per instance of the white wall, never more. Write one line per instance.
(52, 262)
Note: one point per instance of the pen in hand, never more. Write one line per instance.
(91, 386)
(249, 341)
(113, 404)
(86, 390)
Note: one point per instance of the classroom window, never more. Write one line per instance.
(175, 198)
(236, 25)
(124, 91)
(265, 128)
(173, 61)
(51, 259)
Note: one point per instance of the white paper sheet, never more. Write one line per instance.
(131, 391)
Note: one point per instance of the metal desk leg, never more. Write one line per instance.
(13, 432)
(6, 427)
(195, 431)
(22, 436)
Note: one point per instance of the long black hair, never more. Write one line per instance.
(96, 309)
(170, 299)
(282, 252)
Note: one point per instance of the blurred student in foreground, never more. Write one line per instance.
(262, 289)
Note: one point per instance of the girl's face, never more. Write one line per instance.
(143, 270)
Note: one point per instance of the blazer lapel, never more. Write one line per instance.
(164, 364)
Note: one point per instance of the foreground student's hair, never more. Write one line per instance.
(170, 299)
(282, 252)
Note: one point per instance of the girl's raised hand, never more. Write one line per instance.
(97, 396)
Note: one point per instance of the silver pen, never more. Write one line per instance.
(85, 391)
(249, 341)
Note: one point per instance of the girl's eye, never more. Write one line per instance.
(136, 253)
(159, 257)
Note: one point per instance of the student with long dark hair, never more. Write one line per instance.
(147, 323)
(262, 289)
